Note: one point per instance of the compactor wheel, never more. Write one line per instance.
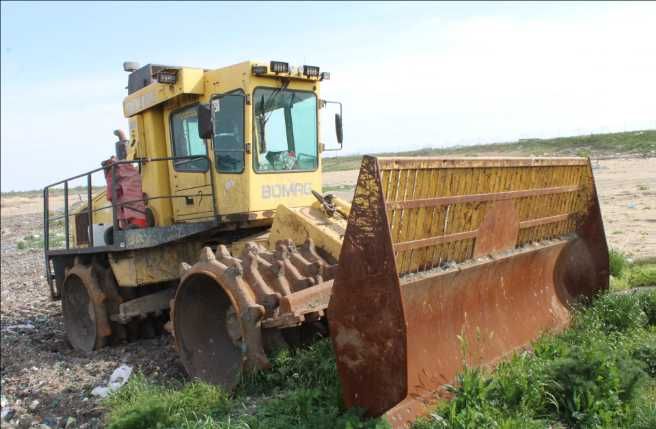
(222, 299)
(216, 322)
(85, 315)
(208, 334)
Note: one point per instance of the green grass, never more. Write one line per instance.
(600, 373)
(626, 275)
(596, 145)
(141, 404)
(36, 240)
(31, 241)
(300, 391)
(617, 262)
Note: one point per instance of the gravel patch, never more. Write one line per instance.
(45, 383)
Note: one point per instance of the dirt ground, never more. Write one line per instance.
(45, 382)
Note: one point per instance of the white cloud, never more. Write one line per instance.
(442, 81)
(491, 78)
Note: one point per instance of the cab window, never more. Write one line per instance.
(186, 142)
(229, 132)
(285, 129)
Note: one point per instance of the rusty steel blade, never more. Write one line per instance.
(454, 261)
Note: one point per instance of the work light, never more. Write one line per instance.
(311, 71)
(279, 67)
(167, 77)
(260, 70)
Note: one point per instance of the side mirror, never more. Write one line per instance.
(205, 126)
(338, 128)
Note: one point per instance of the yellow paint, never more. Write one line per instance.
(190, 81)
(149, 111)
(421, 179)
(300, 224)
(245, 199)
(152, 265)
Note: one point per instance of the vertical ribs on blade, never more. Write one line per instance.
(450, 260)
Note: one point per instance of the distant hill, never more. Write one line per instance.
(630, 143)
(633, 143)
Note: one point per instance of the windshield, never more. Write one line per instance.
(285, 123)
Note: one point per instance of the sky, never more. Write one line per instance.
(410, 75)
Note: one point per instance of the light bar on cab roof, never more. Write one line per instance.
(311, 71)
(279, 67)
(260, 70)
(169, 77)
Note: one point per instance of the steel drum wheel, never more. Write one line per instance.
(208, 341)
(79, 315)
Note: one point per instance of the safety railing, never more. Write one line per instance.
(65, 215)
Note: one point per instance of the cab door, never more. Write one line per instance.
(229, 134)
(191, 183)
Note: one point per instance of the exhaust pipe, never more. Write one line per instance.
(121, 145)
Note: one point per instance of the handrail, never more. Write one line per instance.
(47, 219)
(132, 161)
(159, 197)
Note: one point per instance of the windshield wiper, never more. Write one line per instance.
(263, 118)
(272, 98)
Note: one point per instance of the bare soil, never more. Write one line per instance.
(45, 381)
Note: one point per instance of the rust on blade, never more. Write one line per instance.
(437, 252)
(294, 307)
(366, 292)
(544, 220)
(498, 230)
(308, 300)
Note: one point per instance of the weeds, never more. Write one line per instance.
(627, 275)
(35, 241)
(600, 373)
(141, 404)
(301, 390)
(642, 275)
(311, 367)
(617, 262)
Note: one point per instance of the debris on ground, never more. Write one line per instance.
(118, 378)
(38, 363)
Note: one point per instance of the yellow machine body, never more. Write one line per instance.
(244, 196)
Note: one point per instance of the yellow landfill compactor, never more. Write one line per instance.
(212, 225)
